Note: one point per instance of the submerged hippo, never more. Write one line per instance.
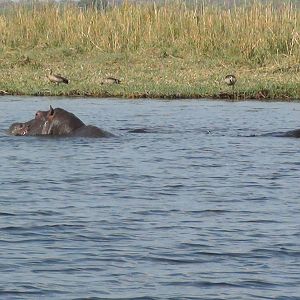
(57, 122)
(292, 133)
(17, 129)
(32, 127)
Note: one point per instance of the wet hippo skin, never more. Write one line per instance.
(17, 129)
(60, 122)
(57, 122)
(32, 127)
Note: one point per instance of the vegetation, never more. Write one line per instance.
(165, 50)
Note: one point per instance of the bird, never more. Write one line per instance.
(110, 80)
(56, 78)
(230, 80)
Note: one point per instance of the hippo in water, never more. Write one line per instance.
(17, 129)
(291, 133)
(32, 127)
(57, 122)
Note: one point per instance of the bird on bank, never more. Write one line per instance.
(230, 80)
(56, 78)
(110, 80)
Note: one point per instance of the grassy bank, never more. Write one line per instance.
(166, 51)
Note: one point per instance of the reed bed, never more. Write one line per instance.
(254, 33)
(201, 36)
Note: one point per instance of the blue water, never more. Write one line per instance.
(198, 205)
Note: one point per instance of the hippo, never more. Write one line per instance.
(57, 122)
(42, 114)
(17, 129)
(291, 133)
(32, 127)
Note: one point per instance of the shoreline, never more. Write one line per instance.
(24, 73)
(259, 96)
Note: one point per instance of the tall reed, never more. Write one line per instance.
(252, 33)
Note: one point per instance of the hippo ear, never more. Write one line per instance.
(51, 111)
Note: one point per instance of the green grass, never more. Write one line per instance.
(168, 51)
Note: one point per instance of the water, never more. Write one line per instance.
(191, 206)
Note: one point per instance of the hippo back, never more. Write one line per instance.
(91, 132)
(61, 122)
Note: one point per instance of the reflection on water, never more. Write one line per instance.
(182, 204)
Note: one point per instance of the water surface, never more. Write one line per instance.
(189, 201)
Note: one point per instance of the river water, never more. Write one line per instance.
(190, 200)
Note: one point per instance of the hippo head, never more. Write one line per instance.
(18, 129)
(58, 121)
(42, 114)
(32, 127)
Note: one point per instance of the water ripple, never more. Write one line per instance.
(191, 200)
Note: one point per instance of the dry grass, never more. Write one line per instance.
(250, 33)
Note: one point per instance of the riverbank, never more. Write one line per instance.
(144, 75)
(133, 44)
